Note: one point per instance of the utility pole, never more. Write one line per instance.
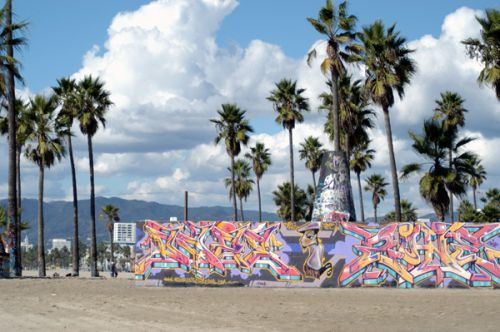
(185, 205)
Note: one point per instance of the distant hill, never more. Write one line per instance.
(59, 215)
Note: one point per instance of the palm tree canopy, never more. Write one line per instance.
(288, 101)
(232, 128)
(362, 158)
(433, 145)
(110, 213)
(477, 177)
(408, 212)
(487, 49)
(338, 28)
(243, 183)
(376, 184)
(22, 127)
(260, 157)
(66, 96)
(45, 145)
(281, 197)
(387, 62)
(312, 151)
(92, 102)
(450, 109)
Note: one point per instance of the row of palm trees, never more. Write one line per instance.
(44, 132)
(388, 66)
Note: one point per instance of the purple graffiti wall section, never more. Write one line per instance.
(329, 254)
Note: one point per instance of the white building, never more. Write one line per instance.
(60, 243)
(26, 245)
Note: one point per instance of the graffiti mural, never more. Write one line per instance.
(334, 254)
(333, 194)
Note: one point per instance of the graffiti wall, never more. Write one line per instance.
(336, 254)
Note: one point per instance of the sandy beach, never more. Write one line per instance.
(83, 304)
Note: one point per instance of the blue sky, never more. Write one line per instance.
(61, 32)
(169, 64)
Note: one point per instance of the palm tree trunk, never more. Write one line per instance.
(241, 210)
(111, 247)
(76, 242)
(292, 185)
(41, 240)
(93, 242)
(392, 160)
(314, 184)
(474, 197)
(258, 194)
(375, 213)
(12, 221)
(361, 198)
(233, 188)
(451, 194)
(19, 207)
(335, 111)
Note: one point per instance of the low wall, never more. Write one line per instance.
(340, 254)
(4, 266)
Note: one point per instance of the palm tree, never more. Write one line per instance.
(243, 184)
(376, 184)
(433, 145)
(261, 160)
(486, 49)
(476, 178)
(44, 149)
(289, 103)
(338, 27)
(360, 161)
(9, 67)
(388, 68)
(409, 212)
(450, 109)
(92, 102)
(311, 150)
(233, 129)
(281, 198)
(110, 214)
(355, 117)
(65, 93)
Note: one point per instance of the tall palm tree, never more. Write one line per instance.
(110, 214)
(9, 40)
(288, 101)
(312, 151)
(360, 161)
(409, 212)
(433, 145)
(376, 184)
(486, 49)
(243, 184)
(261, 160)
(476, 178)
(44, 149)
(65, 93)
(451, 110)
(388, 69)
(355, 117)
(338, 27)
(233, 129)
(281, 197)
(92, 102)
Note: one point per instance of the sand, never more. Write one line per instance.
(104, 304)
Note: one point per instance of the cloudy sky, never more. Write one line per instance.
(170, 64)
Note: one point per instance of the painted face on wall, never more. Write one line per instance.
(309, 238)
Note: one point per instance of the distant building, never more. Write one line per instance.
(26, 245)
(59, 244)
(124, 233)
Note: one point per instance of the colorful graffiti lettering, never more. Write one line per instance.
(207, 248)
(319, 254)
(414, 252)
